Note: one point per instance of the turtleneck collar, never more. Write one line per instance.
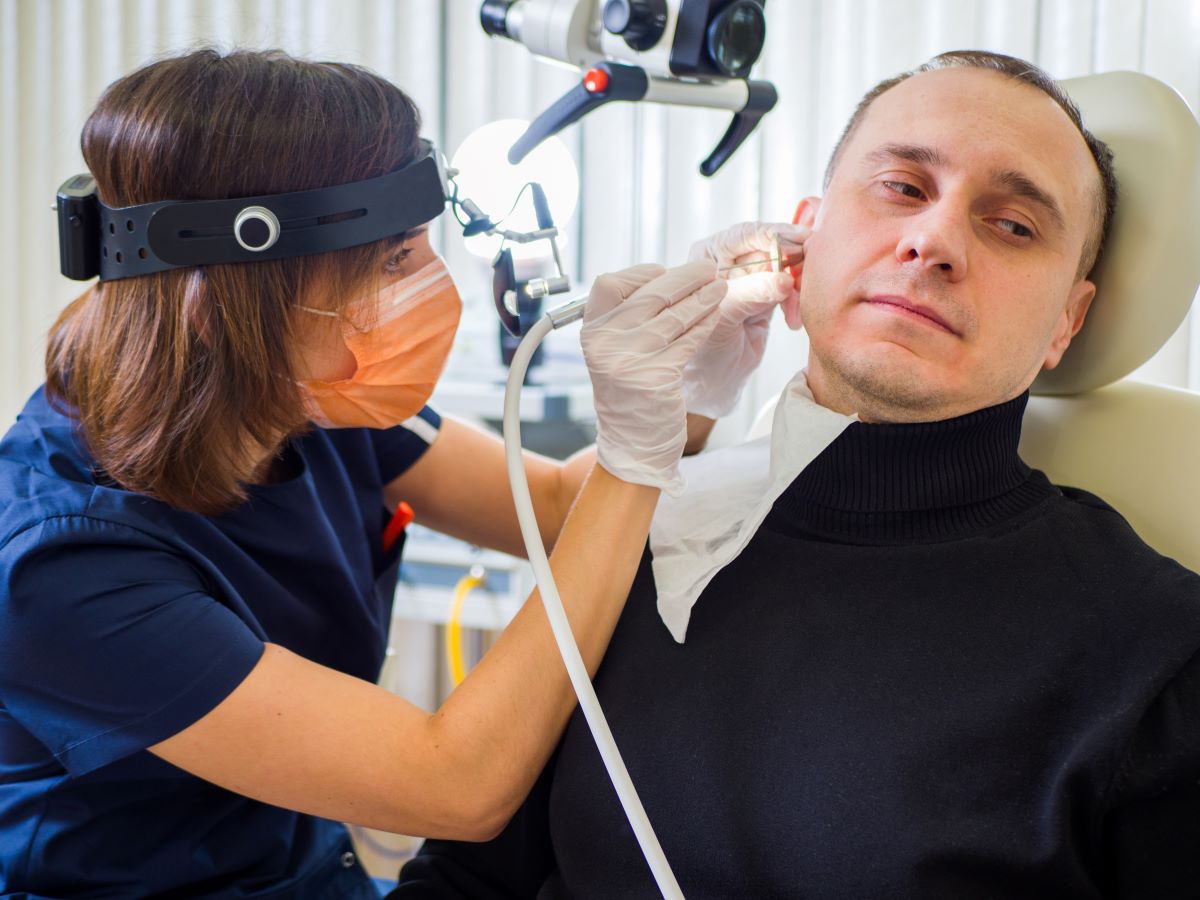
(915, 482)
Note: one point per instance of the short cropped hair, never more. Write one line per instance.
(1027, 72)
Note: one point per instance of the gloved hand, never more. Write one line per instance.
(714, 379)
(640, 328)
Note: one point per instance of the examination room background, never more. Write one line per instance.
(641, 196)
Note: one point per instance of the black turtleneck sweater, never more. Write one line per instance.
(930, 674)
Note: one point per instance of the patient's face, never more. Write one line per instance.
(939, 278)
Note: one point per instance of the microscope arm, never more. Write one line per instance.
(609, 81)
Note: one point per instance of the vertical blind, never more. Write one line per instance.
(641, 196)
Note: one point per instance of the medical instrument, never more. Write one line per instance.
(123, 242)
(778, 263)
(682, 52)
(516, 299)
(570, 312)
(778, 260)
(701, 271)
(454, 649)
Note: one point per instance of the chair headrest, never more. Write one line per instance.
(1147, 275)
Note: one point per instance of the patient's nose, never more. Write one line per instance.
(936, 239)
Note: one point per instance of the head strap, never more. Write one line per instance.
(153, 237)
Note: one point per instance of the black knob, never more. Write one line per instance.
(640, 22)
(493, 16)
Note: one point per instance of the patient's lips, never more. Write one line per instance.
(912, 310)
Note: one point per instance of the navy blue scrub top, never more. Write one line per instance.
(123, 621)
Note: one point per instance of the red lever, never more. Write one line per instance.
(595, 81)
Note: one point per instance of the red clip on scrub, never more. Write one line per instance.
(400, 520)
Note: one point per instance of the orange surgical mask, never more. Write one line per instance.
(400, 357)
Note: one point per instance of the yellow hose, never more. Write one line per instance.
(454, 648)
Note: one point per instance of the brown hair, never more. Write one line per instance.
(1027, 72)
(182, 380)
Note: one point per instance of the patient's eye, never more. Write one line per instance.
(904, 188)
(1014, 228)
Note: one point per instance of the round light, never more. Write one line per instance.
(486, 176)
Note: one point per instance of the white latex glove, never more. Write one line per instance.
(640, 328)
(714, 379)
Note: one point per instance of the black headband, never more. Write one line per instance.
(153, 237)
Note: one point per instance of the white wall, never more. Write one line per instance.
(642, 196)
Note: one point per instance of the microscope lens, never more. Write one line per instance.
(735, 38)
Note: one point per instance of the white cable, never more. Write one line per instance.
(576, 670)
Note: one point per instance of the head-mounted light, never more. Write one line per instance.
(95, 239)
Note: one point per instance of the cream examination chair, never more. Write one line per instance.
(1134, 445)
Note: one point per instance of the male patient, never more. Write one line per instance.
(931, 673)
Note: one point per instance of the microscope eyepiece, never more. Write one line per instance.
(640, 22)
(493, 16)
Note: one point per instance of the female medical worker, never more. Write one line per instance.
(194, 596)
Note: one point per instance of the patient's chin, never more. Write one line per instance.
(892, 385)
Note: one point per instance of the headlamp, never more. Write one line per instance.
(96, 239)
(114, 243)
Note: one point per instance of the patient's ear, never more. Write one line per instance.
(1069, 322)
(806, 215)
(806, 212)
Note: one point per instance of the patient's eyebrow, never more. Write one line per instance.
(914, 153)
(1022, 185)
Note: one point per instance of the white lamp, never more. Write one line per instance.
(487, 177)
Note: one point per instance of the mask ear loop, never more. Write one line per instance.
(348, 325)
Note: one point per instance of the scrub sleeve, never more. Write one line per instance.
(132, 650)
